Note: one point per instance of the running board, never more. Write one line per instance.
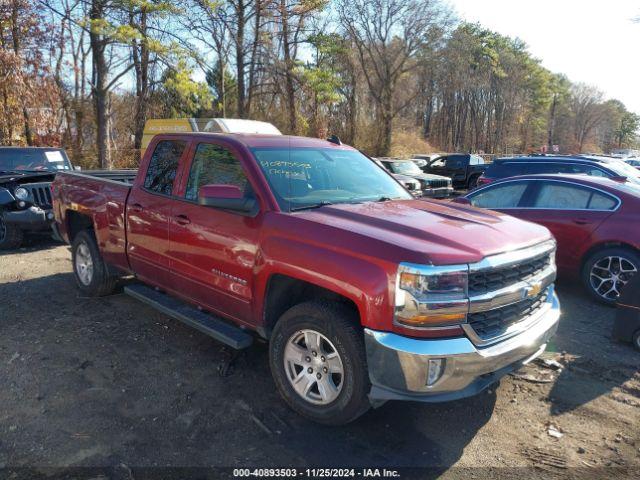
(206, 323)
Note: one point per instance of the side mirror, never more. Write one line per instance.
(462, 200)
(227, 197)
(77, 168)
(619, 179)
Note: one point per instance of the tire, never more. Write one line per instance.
(10, 236)
(620, 262)
(345, 395)
(473, 182)
(90, 271)
(636, 340)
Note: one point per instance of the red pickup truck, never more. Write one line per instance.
(364, 293)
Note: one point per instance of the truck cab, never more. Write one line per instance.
(463, 169)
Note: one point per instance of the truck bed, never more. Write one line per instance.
(99, 196)
(127, 175)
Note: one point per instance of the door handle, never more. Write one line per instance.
(137, 208)
(581, 221)
(182, 220)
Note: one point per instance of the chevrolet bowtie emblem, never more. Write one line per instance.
(534, 290)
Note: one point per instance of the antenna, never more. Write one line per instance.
(334, 139)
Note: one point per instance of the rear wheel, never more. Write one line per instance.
(10, 235)
(318, 362)
(636, 340)
(91, 273)
(607, 271)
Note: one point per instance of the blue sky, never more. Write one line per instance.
(591, 41)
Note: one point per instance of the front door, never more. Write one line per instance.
(148, 212)
(213, 252)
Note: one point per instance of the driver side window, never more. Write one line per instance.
(214, 165)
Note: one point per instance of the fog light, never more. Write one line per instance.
(435, 370)
(49, 215)
(21, 204)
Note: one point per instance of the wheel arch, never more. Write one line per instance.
(77, 222)
(601, 246)
(284, 291)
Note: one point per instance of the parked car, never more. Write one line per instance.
(25, 197)
(625, 153)
(463, 169)
(435, 186)
(363, 293)
(634, 163)
(406, 181)
(595, 166)
(626, 327)
(594, 220)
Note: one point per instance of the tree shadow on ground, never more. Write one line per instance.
(597, 364)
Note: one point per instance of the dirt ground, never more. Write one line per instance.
(111, 382)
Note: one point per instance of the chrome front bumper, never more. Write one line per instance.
(398, 365)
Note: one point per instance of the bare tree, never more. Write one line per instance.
(387, 35)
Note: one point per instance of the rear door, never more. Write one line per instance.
(149, 209)
(213, 251)
(571, 212)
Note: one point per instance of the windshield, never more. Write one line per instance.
(33, 160)
(309, 177)
(406, 168)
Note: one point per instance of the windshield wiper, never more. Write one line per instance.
(309, 207)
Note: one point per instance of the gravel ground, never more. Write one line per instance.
(110, 382)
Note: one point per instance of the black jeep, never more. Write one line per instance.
(25, 195)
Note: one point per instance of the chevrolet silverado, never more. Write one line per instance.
(364, 293)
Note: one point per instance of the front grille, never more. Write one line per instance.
(436, 183)
(490, 324)
(40, 194)
(490, 280)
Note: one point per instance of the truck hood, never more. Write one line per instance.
(430, 176)
(423, 231)
(17, 176)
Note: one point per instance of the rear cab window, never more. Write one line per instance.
(163, 166)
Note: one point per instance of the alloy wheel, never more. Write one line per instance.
(84, 264)
(313, 367)
(609, 274)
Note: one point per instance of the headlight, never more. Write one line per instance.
(21, 193)
(431, 296)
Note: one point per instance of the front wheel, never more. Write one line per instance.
(473, 182)
(10, 235)
(607, 271)
(318, 362)
(91, 273)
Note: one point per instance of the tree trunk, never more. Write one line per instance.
(141, 65)
(100, 90)
(289, 88)
(254, 55)
(552, 122)
(240, 62)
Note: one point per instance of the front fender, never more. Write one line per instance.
(6, 197)
(361, 280)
